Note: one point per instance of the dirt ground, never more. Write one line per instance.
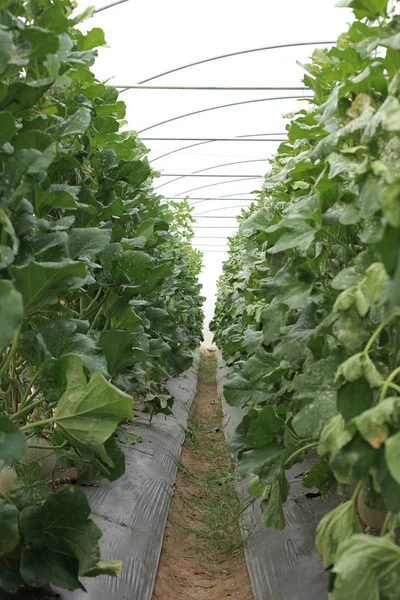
(182, 573)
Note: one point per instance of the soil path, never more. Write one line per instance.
(202, 555)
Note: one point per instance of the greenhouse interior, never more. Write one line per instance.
(200, 300)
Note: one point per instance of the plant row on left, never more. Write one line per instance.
(99, 296)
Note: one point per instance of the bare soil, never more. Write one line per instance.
(187, 571)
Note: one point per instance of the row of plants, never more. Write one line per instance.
(99, 295)
(309, 305)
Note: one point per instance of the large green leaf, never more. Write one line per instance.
(334, 435)
(375, 424)
(334, 528)
(7, 127)
(43, 566)
(78, 122)
(122, 349)
(309, 422)
(253, 382)
(264, 428)
(87, 242)
(11, 314)
(62, 525)
(9, 527)
(12, 442)
(6, 48)
(272, 505)
(88, 413)
(137, 264)
(59, 337)
(41, 41)
(42, 284)
(26, 168)
(366, 569)
(264, 462)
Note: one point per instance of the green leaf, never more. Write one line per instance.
(42, 284)
(366, 569)
(41, 41)
(6, 48)
(32, 139)
(88, 413)
(264, 462)
(264, 428)
(347, 278)
(253, 382)
(376, 279)
(272, 512)
(321, 477)
(87, 242)
(10, 577)
(12, 442)
(136, 265)
(26, 168)
(357, 366)
(62, 525)
(334, 528)
(392, 455)
(334, 435)
(93, 38)
(43, 566)
(11, 314)
(372, 9)
(59, 337)
(112, 568)
(122, 349)
(7, 127)
(375, 424)
(390, 204)
(294, 239)
(308, 423)
(354, 397)
(355, 459)
(76, 123)
(9, 527)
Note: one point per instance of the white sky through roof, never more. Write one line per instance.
(147, 38)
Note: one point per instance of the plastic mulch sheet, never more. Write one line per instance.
(282, 565)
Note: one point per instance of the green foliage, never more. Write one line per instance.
(308, 305)
(99, 295)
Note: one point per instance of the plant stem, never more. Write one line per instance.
(373, 338)
(36, 424)
(387, 383)
(11, 354)
(356, 492)
(28, 389)
(386, 523)
(92, 303)
(338, 240)
(394, 387)
(96, 317)
(27, 408)
(300, 450)
(48, 447)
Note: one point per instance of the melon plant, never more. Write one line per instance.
(309, 305)
(99, 295)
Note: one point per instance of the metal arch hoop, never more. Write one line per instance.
(238, 53)
(212, 185)
(237, 162)
(208, 142)
(222, 208)
(203, 110)
(110, 6)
